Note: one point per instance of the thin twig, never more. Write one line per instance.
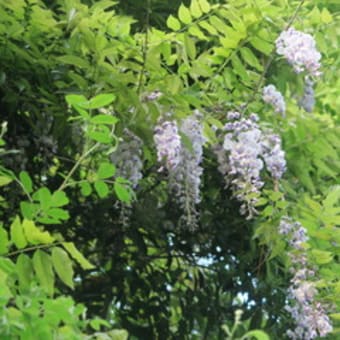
(40, 246)
(145, 46)
(75, 167)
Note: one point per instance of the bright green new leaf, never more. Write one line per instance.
(106, 170)
(101, 100)
(63, 266)
(76, 100)
(204, 5)
(75, 253)
(195, 9)
(173, 23)
(17, 234)
(4, 180)
(119, 334)
(104, 119)
(326, 16)
(42, 264)
(34, 235)
(258, 334)
(321, 256)
(184, 14)
(26, 181)
(4, 243)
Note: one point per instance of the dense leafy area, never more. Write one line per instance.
(85, 253)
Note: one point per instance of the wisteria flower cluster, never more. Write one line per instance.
(309, 314)
(128, 158)
(246, 150)
(168, 143)
(273, 97)
(183, 163)
(300, 51)
(307, 102)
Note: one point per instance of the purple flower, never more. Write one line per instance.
(245, 151)
(309, 314)
(273, 97)
(300, 51)
(168, 143)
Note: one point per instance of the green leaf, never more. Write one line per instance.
(106, 170)
(218, 24)
(321, 256)
(173, 23)
(239, 68)
(184, 14)
(85, 189)
(75, 254)
(104, 119)
(195, 9)
(42, 264)
(118, 334)
(4, 180)
(96, 323)
(101, 137)
(189, 46)
(250, 58)
(79, 103)
(122, 190)
(24, 269)
(101, 100)
(326, 16)
(261, 45)
(258, 334)
(63, 266)
(76, 100)
(204, 5)
(28, 209)
(17, 234)
(34, 235)
(58, 213)
(5, 292)
(101, 189)
(26, 181)
(43, 195)
(74, 60)
(59, 199)
(4, 242)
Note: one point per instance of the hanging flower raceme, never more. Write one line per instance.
(300, 51)
(273, 97)
(246, 150)
(307, 102)
(310, 316)
(128, 158)
(273, 155)
(168, 144)
(184, 167)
